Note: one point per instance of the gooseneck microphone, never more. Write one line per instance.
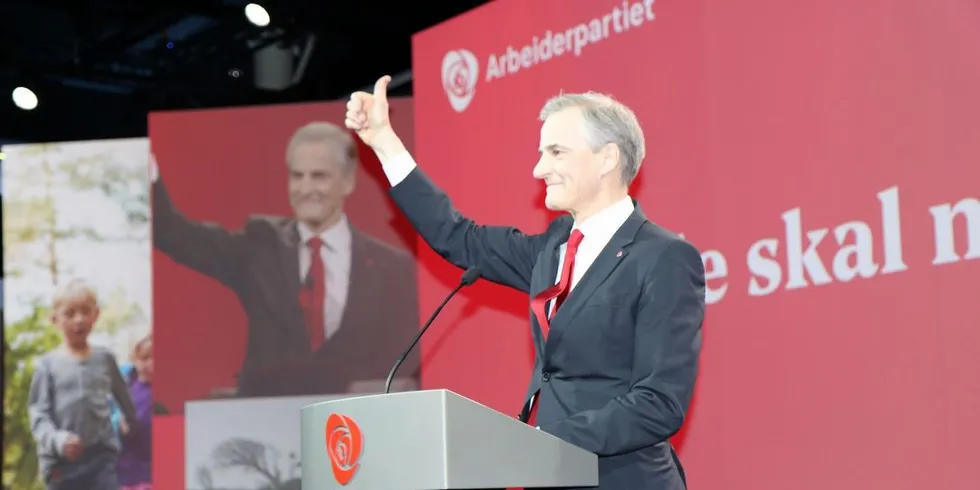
(469, 277)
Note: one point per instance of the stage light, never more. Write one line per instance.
(24, 98)
(257, 14)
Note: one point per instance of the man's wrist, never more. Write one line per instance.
(387, 145)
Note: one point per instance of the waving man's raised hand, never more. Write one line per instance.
(367, 114)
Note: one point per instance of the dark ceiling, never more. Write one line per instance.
(98, 66)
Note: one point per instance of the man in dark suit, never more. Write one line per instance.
(617, 302)
(327, 305)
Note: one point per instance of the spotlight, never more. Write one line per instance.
(257, 14)
(24, 98)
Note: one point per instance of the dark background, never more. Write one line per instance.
(99, 66)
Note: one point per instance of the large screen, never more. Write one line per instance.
(821, 155)
(237, 195)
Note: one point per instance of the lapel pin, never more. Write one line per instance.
(619, 254)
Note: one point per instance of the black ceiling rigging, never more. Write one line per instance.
(98, 66)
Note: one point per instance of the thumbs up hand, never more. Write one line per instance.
(367, 114)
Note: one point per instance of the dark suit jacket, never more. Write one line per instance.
(260, 263)
(617, 371)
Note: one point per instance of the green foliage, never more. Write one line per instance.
(23, 342)
(31, 215)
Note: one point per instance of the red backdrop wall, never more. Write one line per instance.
(809, 149)
(222, 166)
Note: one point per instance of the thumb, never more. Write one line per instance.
(381, 88)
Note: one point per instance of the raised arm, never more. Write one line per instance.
(505, 254)
(205, 247)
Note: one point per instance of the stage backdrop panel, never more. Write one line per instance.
(220, 170)
(823, 156)
(227, 449)
(71, 211)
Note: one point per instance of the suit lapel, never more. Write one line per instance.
(545, 276)
(549, 267)
(609, 258)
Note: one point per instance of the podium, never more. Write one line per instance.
(431, 440)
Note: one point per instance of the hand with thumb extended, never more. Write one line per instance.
(367, 114)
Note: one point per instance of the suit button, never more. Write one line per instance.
(545, 377)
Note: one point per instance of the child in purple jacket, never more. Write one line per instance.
(135, 462)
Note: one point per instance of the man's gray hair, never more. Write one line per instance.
(330, 134)
(606, 121)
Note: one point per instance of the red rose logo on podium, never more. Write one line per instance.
(344, 444)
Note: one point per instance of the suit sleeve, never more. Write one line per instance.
(666, 350)
(505, 254)
(205, 247)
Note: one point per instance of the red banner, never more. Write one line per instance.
(823, 156)
(222, 168)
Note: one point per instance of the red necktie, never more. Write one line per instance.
(558, 292)
(315, 290)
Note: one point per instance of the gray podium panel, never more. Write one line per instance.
(431, 440)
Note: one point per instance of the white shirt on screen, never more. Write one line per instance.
(336, 256)
(596, 231)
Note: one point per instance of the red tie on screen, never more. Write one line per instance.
(316, 289)
(558, 292)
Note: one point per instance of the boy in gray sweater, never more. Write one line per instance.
(69, 401)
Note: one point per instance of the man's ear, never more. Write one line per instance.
(610, 158)
(350, 181)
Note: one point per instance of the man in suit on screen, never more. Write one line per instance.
(617, 302)
(327, 304)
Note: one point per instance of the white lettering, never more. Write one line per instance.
(854, 259)
(629, 14)
(715, 270)
(944, 220)
(513, 60)
(799, 260)
(527, 56)
(891, 226)
(764, 267)
(581, 38)
(494, 68)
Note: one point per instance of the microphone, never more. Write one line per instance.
(469, 277)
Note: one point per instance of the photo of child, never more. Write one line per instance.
(77, 307)
(70, 400)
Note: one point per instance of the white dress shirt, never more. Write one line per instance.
(336, 256)
(597, 230)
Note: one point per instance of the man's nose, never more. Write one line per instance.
(540, 170)
(303, 184)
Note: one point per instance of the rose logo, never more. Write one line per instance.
(460, 73)
(344, 445)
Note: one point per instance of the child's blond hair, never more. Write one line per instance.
(74, 289)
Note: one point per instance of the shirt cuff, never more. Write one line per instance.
(398, 167)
